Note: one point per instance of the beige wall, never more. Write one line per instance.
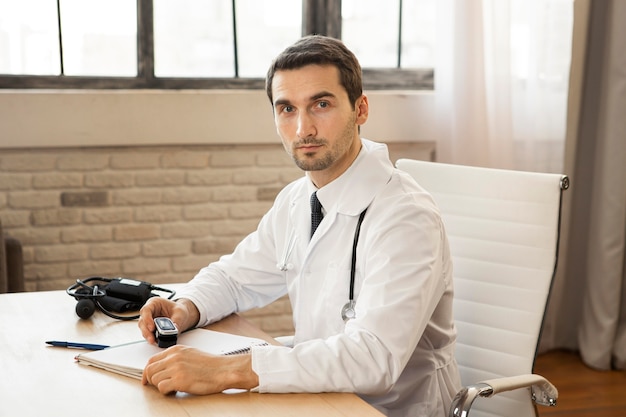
(39, 118)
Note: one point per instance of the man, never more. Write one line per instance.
(394, 344)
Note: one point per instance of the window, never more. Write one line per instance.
(407, 41)
(195, 38)
(176, 44)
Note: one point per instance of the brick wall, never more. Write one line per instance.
(156, 214)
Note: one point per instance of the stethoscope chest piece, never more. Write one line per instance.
(347, 311)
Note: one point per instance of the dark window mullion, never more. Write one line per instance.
(333, 18)
(62, 68)
(145, 41)
(400, 35)
(236, 51)
(322, 18)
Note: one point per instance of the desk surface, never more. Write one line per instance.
(39, 380)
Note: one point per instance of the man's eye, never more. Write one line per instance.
(287, 109)
(323, 104)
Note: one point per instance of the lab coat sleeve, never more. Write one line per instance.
(246, 279)
(404, 268)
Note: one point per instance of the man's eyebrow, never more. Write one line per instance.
(281, 102)
(322, 94)
(314, 97)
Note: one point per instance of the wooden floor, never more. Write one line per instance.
(583, 392)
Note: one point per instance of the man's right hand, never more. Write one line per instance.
(182, 312)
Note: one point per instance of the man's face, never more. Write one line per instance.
(316, 121)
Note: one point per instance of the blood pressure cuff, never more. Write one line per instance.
(124, 295)
(118, 305)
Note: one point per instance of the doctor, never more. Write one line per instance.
(370, 288)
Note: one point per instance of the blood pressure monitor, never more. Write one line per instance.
(166, 332)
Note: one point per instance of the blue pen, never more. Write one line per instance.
(89, 346)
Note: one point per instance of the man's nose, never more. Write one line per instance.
(306, 126)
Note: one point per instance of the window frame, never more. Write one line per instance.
(321, 17)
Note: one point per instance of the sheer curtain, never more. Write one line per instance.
(504, 99)
(501, 79)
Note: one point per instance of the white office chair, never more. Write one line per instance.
(503, 228)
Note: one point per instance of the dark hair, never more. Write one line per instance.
(320, 50)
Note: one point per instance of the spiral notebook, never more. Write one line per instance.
(130, 359)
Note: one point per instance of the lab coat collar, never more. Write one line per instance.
(369, 172)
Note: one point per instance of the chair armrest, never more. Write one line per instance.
(543, 392)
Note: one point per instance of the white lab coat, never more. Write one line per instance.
(398, 353)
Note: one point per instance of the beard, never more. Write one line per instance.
(328, 155)
(314, 161)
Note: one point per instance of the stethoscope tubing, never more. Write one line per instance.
(357, 231)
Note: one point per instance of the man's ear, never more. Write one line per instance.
(362, 108)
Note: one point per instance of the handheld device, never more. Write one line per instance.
(166, 332)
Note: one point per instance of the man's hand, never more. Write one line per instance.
(185, 369)
(182, 312)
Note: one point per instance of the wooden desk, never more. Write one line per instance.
(39, 380)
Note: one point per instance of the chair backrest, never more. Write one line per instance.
(503, 228)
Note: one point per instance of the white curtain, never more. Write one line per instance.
(501, 79)
(501, 91)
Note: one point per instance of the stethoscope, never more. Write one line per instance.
(348, 311)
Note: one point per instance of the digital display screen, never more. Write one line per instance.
(165, 324)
